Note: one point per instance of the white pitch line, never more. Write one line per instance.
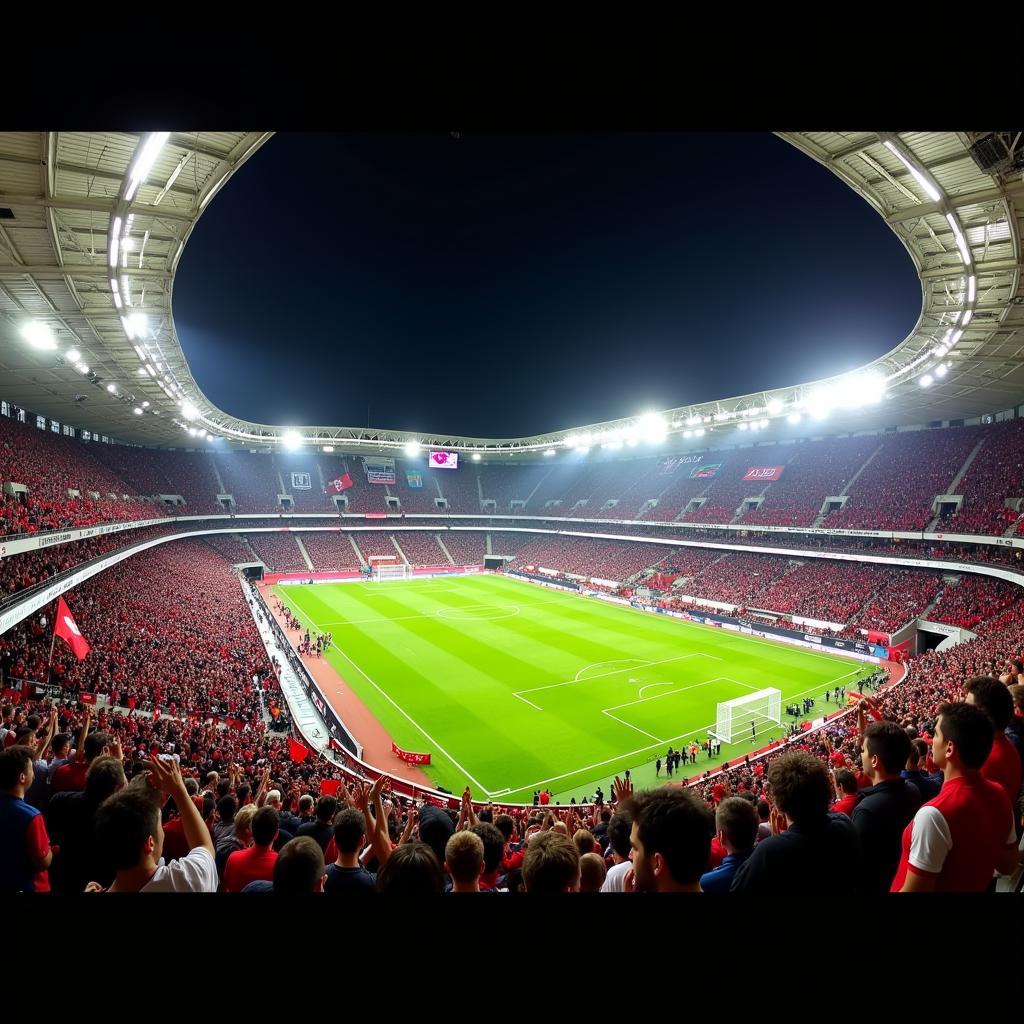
(668, 693)
(640, 692)
(530, 702)
(631, 726)
(409, 717)
(605, 675)
(611, 661)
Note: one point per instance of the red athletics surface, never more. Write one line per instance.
(353, 712)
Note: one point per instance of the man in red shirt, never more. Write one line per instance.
(255, 864)
(845, 784)
(956, 841)
(1003, 764)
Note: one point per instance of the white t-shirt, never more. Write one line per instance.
(195, 873)
(615, 880)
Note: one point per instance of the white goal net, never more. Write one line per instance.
(742, 717)
(401, 571)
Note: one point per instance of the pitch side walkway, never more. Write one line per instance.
(361, 723)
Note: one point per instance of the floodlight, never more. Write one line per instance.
(687, 433)
(209, 437)
(550, 451)
(145, 405)
(291, 439)
(82, 368)
(774, 406)
(764, 423)
(38, 335)
(693, 421)
(137, 411)
(139, 324)
(328, 448)
(188, 410)
(745, 426)
(476, 456)
(412, 449)
(940, 370)
(927, 380)
(583, 449)
(192, 431)
(112, 388)
(793, 418)
(819, 404)
(652, 427)
(72, 355)
(931, 191)
(145, 160)
(699, 432)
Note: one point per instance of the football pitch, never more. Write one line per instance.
(513, 688)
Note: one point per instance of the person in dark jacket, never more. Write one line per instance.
(811, 849)
(887, 806)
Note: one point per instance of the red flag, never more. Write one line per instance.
(131, 703)
(87, 698)
(298, 752)
(343, 483)
(329, 787)
(64, 626)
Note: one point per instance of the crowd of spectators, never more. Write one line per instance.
(49, 466)
(823, 590)
(898, 487)
(279, 552)
(168, 629)
(375, 542)
(973, 600)
(20, 572)
(816, 471)
(330, 551)
(583, 556)
(421, 548)
(901, 595)
(465, 547)
(996, 473)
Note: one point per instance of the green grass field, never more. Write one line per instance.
(513, 688)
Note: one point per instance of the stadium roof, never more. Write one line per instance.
(93, 225)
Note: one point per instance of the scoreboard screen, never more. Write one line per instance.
(443, 460)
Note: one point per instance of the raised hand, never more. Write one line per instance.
(622, 789)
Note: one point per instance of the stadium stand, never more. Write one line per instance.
(253, 481)
(230, 546)
(189, 474)
(974, 600)
(330, 551)
(421, 548)
(817, 470)
(466, 548)
(278, 551)
(899, 485)
(50, 465)
(592, 558)
(997, 473)
(375, 542)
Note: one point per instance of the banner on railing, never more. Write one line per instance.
(764, 473)
(408, 756)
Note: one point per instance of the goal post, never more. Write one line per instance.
(741, 717)
(384, 572)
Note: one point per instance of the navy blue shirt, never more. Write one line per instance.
(823, 856)
(721, 878)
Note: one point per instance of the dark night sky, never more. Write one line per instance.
(502, 285)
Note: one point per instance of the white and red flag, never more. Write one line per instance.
(64, 626)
